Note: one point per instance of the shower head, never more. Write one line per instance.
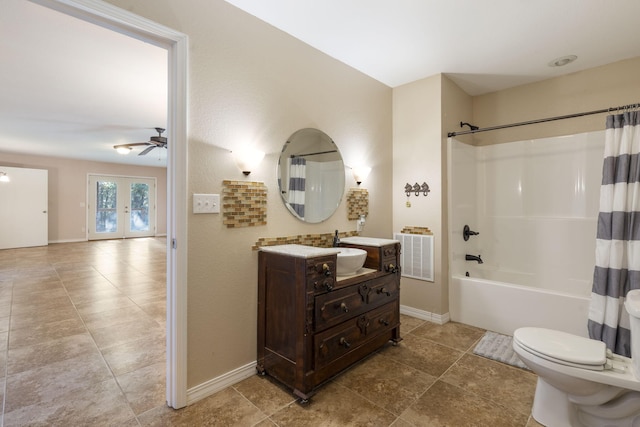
(472, 127)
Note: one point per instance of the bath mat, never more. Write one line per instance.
(498, 347)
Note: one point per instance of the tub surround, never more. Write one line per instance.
(535, 203)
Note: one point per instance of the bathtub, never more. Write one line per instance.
(504, 307)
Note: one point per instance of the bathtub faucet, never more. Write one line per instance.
(473, 258)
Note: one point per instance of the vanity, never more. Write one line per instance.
(313, 324)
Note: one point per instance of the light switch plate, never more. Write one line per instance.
(206, 203)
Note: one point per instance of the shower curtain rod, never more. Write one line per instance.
(550, 119)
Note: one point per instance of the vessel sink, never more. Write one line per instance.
(350, 260)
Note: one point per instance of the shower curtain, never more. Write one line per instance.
(297, 178)
(617, 269)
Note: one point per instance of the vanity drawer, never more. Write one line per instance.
(337, 306)
(321, 274)
(348, 336)
(384, 290)
(390, 258)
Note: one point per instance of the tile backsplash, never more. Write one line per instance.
(244, 203)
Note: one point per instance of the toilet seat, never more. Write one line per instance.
(563, 348)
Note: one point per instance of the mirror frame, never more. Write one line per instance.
(306, 143)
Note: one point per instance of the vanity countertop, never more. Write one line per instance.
(368, 241)
(300, 251)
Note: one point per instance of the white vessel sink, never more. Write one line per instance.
(350, 260)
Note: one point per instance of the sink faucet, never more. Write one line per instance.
(336, 240)
(473, 258)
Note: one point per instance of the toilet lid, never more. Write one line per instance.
(563, 347)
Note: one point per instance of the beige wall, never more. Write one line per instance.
(422, 112)
(68, 191)
(251, 82)
(594, 89)
(417, 154)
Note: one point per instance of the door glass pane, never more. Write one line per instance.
(106, 207)
(139, 207)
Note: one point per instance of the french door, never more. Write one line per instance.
(121, 207)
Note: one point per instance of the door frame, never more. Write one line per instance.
(116, 19)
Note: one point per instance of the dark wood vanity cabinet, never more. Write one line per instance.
(312, 325)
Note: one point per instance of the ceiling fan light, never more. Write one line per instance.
(123, 150)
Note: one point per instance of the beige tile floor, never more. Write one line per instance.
(82, 328)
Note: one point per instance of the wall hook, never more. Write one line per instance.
(425, 188)
(407, 189)
(416, 188)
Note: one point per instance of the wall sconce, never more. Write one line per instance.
(360, 173)
(417, 189)
(121, 149)
(247, 159)
(4, 177)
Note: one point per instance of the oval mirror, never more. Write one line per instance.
(311, 175)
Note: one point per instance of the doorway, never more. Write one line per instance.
(121, 207)
(119, 20)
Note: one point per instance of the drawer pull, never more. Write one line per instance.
(391, 268)
(384, 322)
(344, 342)
(384, 291)
(326, 269)
(328, 284)
(344, 307)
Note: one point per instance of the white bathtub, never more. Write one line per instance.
(504, 307)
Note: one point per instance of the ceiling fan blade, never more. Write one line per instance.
(133, 144)
(146, 150)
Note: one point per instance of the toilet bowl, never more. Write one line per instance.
(580, 382)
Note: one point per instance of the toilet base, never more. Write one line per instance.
(553, 408)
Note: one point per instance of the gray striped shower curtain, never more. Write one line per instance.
(297, 184)
(617, 269)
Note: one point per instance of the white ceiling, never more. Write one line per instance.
(73, 89)
(484, 45)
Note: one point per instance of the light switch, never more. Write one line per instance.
(206, 203)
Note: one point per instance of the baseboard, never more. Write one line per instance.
(217, 384)
(440, 319)
(67, 241)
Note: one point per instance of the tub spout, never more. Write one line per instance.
(473, 258)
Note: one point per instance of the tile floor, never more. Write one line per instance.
(82, 326)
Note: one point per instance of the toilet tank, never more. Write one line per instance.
(632, 305)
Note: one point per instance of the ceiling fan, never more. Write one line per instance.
(155, 141)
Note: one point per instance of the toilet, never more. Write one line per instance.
(580, 382)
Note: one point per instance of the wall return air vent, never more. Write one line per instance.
(416, 258)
